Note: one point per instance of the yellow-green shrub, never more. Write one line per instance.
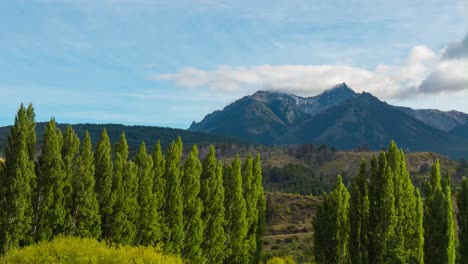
(281, 260)
(85, 250)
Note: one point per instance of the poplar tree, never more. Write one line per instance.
(50, 212)
(173, 205)
(131, 206)
(212, 195)
(18, 182)
(104, 175)
(192, 208)
(331, 227)
(119, 221)
(261, 208)
(237, 250)
(462, 203)
(250, 197)
(147, 226)
(159, 188)
(70, 149)
(86, 221)
(359, 217)
(439, 233)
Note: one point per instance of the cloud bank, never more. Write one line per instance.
(423, 72)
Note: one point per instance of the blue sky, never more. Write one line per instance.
(168, 63)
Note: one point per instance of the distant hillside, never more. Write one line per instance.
(338, 117)
(135, 135)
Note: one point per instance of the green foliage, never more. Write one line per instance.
(18, 182)
(104, 175)
(70, 149)
(159, 187)
(192, 208)
(281, 260)
(212, 195)
(331, 225)
(50, 202)
(146, 226)
(173, 212)
(236, 229)
(462, 203)
(86, 250)
(439, 227)
(86, 221)
(261, 209)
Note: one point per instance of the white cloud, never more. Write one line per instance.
(424, 71)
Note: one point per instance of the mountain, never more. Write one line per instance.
(338, 117)
(134, 134)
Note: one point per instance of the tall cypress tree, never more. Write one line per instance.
(147, 226)
(192, 208)
(50, 212)
(86, 221)
(439, 233)
(18, 182)
(70, 149)
(173, 212)
(331, 226)
(212, 195)
(119, 221)
(382, 216)
(235, 212)
(261, 208)
(104, 175)
(159, 188)
(359, 217)
(462, 203)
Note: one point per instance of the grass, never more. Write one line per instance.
(85, 250)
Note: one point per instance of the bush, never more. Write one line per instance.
(281, 260)
(85, 250)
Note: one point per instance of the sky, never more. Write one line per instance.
(168, 63)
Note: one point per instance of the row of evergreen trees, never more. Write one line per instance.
(382, 219)
(200, 210)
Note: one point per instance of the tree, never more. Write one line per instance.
(173, 205)
(439, 233)
(250, 196)
(236, 215)
(212, 195)
(261, 208)
(331, 226)
(147, 226)
(70, 149)
(359, 217)
(18, 182)
(50, 212)
(192, 208)
(462, 203)
(159, 188)
(103, 175)
(86, 221)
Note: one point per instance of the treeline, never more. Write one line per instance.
(383, 219)
(201, 210)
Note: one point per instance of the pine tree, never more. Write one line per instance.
(462, 203)
(147, 226)
(261, 208)
(359, 217)
(212, 195)
(382, 216)
(173, 205)
(331, 226)
(86, 221)
(236, 215)
(18, 182)
(192, 208)
(119, 221)
(103, 176)
(70, 149)
(439, 234)
(159, 186)
(50, 212)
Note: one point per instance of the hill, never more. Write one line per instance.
(338, 117)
